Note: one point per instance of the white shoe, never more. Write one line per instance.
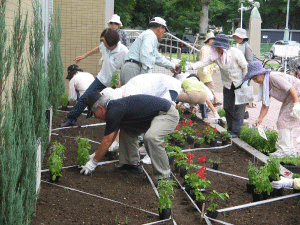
(146, 159)
(142, 150)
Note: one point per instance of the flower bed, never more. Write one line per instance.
(58, 205)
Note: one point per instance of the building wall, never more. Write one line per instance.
(82, 22)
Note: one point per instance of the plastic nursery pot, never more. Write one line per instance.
(188, 188)
(53, 181)
(199, 204)
(179, 144)
(176, 168)
(171, 160)
(182, 172)
(296, 191)
(273, 193)
(165, 214)
(257, 197)
(189, 139)
(213, 143)
(196, 145)
(172, 140)
(212, 214)
(250, 188)
(279, 192)
(225, 142)
(215, 166)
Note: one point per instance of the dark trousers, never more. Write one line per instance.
(81, 103)
(234, 113)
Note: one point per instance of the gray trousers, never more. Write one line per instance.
(234, 113)
(161, 126)
(130, 70)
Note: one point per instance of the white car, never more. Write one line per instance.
(281, 42)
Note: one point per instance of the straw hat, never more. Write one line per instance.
(209, 36)
(221, 41)
(115, 19)
(241, 33)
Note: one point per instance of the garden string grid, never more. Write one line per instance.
(203, 217)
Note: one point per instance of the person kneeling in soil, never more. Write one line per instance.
(286, 89)
(133, 115)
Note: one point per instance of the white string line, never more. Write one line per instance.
(82, 192)
(224, 173)
(218, 221)
(211, 148)
(157, 222)
(259, 202)
(84, 126)
(96, 142)
(151, 182)
(98, 164)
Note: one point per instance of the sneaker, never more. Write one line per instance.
(142, 150)
(146, 159)
(66, 124)
(278, 153)
(125, 168)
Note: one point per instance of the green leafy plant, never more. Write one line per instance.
(225, 135)
(290, 160)
(115, 80)
(166, 193)
(218, 160)
(221, 112)
(296, 175)
(262, 182)
(183, 63)
(178, 136)
(214, 195)
(177, 152)
(83, 151)
(273, 168)
(180, 110)
(210, 133)
(252, 171)
(64, 99)
(55, 163)
(199, 140)
(58, 149)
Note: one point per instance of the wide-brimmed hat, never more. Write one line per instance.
(255, 68)
(160, 21)
(221, 41)
(209, 36)
(90, 101)
(115, 19)
(241, 33)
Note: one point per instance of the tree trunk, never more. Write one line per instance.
(203, 26)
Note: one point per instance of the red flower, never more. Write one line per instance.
(191, 108)
(287, 173)
(207, 129)
(198, 133)
(201, 172)
(182, 121)
(177, 127)
(214, 189)
(190, 161)
(207, 123)
(190, 122)
(179, 158)
(202, 159)
(215, 129)
(189, 155)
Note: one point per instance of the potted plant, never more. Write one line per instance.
(262, 184)
(55, 161)
(198, 141)
(210, 135)
(180, 110)
(252, 170)
(83, 151)
(273, 168)
(179, 139)
(189, 132)
(185, 164)
(214, 195)
(193, 113)
(172, 151)
(225, 137)
(165, 192)
(64, 101)
(200, 185)
(215, 163)
(182, 64)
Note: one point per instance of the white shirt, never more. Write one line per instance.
(112, 61)
(80, 82)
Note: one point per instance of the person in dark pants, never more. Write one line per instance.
(113, 54)
(133, 115)
(233, 68)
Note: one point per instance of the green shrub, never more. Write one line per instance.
(252, 137)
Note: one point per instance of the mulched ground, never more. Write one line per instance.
(106, 197)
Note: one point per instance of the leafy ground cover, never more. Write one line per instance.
(106, 197)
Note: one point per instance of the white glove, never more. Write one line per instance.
(245, 84)
(188, 67)
(114, 146)
(216, 116)
(92, 155)
(89, 167)
(205, 71)
(296, 110)
(283, 182)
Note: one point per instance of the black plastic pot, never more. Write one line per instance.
(213, 143)
(199, 204)
(250, 188)
(176, 168)
(189, 139)
(279, 192)
(183, 172)
(196, 145)
(215, 166)
(165, 214)
(212, 214)
(179, 144)
(257, 197)
(225, 142)
(188, 188)
(53, 181)
(172, 140)
(273, 193)
(171, 160)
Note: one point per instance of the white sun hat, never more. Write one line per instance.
(241, 33)
(209, 36)
(115, 19)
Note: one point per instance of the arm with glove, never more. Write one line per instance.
(91, 165)
(286, 182)
(296, 109)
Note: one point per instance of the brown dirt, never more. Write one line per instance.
(58, 205)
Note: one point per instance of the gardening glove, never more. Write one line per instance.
(296, 110)
(188, 67)
(283, 182)
(92, 155)
(114, 146)
(89, 167)
(216, 116)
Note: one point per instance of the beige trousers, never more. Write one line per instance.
(192, 97)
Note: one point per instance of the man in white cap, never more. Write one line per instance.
(143, 53)
(115, 23)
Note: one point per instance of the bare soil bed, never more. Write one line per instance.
(107, 197)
